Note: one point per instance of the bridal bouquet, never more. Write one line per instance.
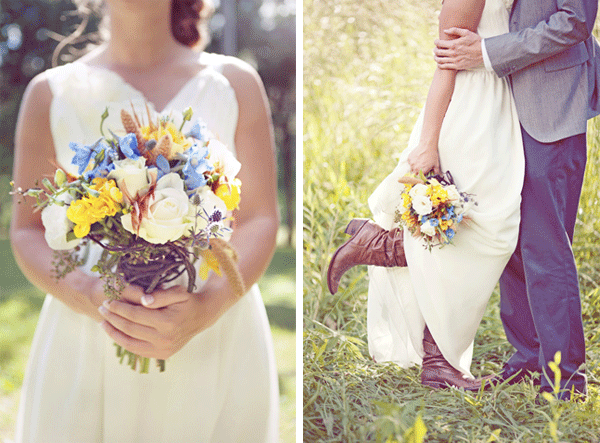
(432, 208)
(156, 199)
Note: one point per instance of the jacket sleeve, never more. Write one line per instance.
(563, 31)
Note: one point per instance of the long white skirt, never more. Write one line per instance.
(448, 288)
(221, 386)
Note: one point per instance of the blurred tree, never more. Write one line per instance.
(263, 34)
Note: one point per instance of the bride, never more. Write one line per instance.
(220, 382)
(424, 307)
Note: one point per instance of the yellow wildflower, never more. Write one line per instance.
(406, 200)
(445, 224)
(89, 210)
(180, 142)
(438, 195)
(210, 263)
(230, 194)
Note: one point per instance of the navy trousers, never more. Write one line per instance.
(540, 305)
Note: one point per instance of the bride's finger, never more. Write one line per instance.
(132, 329)
(139, 347)
(163, 298)
(132, 294)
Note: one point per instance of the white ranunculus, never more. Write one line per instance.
(132, 176)
(422, 204)
(223, 159)
(57, 226)
(428, 229)
(168, 217)
(418, 189)
(453, 194)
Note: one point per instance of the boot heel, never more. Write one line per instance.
(355, 225)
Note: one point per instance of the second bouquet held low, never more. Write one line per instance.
(156, 196)
(432, 208)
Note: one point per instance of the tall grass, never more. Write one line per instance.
(367, 67)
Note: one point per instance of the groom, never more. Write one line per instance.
(553, 64)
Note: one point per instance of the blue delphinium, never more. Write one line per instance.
(99, 156)
(195, 166)
(163, 166)
(199, 131)
(450, 233)
(103, 162)
(83, 154)
(129, 146)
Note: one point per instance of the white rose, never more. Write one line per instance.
(453, 194)
(422, 205)
(418, 189)
(428, 229)
(132, 176)
(57, 226)
(168, 217)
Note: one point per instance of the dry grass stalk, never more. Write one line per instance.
(227, 258)
(132, 127)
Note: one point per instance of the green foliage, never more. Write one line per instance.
(367, 67)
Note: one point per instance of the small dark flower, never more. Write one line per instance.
(215, 217)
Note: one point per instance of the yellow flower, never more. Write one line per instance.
(230, 194)
(180, 142)
(406, 200)
(210, 263)
(89, 210)
(445, 224)
(438, 195)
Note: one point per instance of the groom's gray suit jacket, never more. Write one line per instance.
(553, 63)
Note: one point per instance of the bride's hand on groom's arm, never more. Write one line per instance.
(166, 320)
(424, 159)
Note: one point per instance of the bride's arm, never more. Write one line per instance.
(177, 316)
(34, 149)
(425, 157)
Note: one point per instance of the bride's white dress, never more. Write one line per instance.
(220, 387)
(448, 288)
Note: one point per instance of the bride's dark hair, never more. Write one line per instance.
(188, 21)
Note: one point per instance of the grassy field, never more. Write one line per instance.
(20, 304)
(367, 67)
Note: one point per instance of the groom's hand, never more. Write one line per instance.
(463, 52)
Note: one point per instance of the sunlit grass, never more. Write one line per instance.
(367, 67)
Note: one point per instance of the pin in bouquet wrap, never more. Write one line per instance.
(432, 208)
(158, 201)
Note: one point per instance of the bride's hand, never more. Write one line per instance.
(167, 320)
(424, 158)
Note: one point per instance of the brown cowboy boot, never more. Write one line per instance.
(370, 245)
(438, 373)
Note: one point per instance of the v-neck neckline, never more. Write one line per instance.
(150, 103)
